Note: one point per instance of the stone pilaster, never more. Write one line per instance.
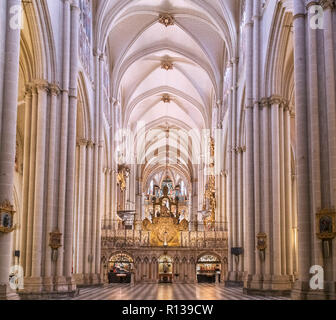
(8, 119)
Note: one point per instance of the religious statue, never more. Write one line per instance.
(121, 181)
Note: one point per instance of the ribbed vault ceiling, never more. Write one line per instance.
(197, 48)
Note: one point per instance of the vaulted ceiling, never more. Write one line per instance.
(169, 73)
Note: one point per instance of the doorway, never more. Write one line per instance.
(208, 268)
(165, 269)
(120, 268)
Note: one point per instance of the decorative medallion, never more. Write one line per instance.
(7, 217)
(55, 239)
(167, 20)
(167, 65)
(166, 98)
(326, 224)
(261, 241)
(165, 231)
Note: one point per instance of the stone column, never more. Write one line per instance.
(275, 104)
(87, 211)
(97, 239)
(26, 178)
(256, 131)
(282, 189)
(83, 177)
(266, 182)
(39, 186)
(54, 91)
(240, 211)
(319, 192)
(329, 58)
(250, 208)
(288, 192)
(31, 183)
(231, 182)
(302, 150)
(69, 204)
(8, 136)
(60, 280)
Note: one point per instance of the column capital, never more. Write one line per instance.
(54, 89)
(286, 105)
(90, 143)
(312, 3)
(327, 4)
(41, 85)
(234, 61)
(97, 52)
(73, 93)
(275, 99)
(82, 142)
(28, 90)
(264, 102)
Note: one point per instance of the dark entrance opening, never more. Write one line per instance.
(120, 266)
(208, 269)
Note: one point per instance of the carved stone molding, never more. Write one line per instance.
(90, 143)
(275, 100)
(28, 90)
(82, 142)
(239, 149)
(264, 103)
(54, 89)
(328, 4)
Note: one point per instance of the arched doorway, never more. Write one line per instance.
(165, 269)
(120, 268)
(207, 269)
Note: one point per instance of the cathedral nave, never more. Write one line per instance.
(167, 149)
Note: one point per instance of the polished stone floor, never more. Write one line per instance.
(164, 292)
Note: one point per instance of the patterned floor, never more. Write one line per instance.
(163, 292)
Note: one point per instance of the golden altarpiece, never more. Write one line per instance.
(167, 248)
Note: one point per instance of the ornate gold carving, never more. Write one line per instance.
(165, 231)
(326, 224)
(167, 20)
(7, 217)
